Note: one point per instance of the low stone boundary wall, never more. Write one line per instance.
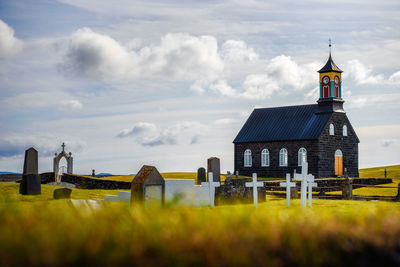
(88, 183)
(236, 191)
(333, 184)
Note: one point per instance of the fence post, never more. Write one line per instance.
(397, 198)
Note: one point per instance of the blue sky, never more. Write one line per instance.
(170, 83)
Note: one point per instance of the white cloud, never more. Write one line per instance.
(42, 100)
(9, 45)
(259, 86)
(178, 55)
(361, 73)
(224, 121)
(235, 51)
(45, 144)
(395, 78)
(147, 134)
(387, 142)
(223, 88)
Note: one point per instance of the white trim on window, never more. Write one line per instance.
(344, 130)
(283, 157)
(331, 129)
(247, 158)
(264, 158)
(302, 156)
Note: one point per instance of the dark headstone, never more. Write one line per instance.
(93, 173)
(385, 173)
(213, 165)
(228, 180)
(30, 184)
(347, 192)
(62, 193)
(201, 175)
(148, 186)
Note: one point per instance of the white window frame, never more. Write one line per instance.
(302, 155)
(338, 153)
(331, 129)
(265, 158)
(283, 157)
(247, 158)
(345, 130)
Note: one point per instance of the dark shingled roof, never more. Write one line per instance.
(283, 123)
(330, 66)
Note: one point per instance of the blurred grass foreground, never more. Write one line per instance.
(40, 231)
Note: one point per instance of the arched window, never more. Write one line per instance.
(247, 158)
(283, 157)
(331, 129)
(264, 158)
(344, 130)
(336, 86)
(326, 86)
(302, 155)
(338, 153)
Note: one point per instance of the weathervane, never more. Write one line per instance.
(330, 45)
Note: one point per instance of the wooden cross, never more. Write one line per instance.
(255, 184)
(211, 188)
(288, 185)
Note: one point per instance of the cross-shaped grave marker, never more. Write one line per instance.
(311, 184)
(288, 185)
(303, 178)
(255, 184)
(211, 188)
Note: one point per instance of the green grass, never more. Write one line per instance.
(54, 233)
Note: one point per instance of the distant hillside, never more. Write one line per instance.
(10, 173)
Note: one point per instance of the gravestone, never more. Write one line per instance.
(93, 173)
(148, 186)
(60, 193)
(31, 184)
(201, 176)
(213, 165)
(288, 186)
(347, 192)
(254, 184)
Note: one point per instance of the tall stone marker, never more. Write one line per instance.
(30, 184)
(201, 176)
(148, 186)
(214, 166)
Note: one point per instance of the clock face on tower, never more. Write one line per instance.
(325, 80)
(336, 79)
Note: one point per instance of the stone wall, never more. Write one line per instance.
(328, 144)
(88, 183)
(274, 170)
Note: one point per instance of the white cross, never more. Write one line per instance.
(255, 184)
(303, 178)
(288, 185)
(211, 188)
(310, 184)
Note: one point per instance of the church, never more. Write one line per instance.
(275, 141)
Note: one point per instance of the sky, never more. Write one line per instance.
(170, 83)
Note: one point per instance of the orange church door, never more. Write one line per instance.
(338, 162)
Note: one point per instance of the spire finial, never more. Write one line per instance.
(330, 45)
(63, 146)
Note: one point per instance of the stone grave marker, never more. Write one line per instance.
(148, 186)
(347, 192)
(211, 188)
(213, 165)
(31, 184)
(60, 193)
(288, 186)
(201, 175)
(255, 184)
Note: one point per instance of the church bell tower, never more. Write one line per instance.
(330, 86)
(330, 79)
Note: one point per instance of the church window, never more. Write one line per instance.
(283, 157)
(302, 156)
(344, 130)
(265, 158)
(247, 158)
(326, 88)
(331, 129)
(336, 86)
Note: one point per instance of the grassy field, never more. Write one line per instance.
(40, 231)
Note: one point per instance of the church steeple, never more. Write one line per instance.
(330, 79)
